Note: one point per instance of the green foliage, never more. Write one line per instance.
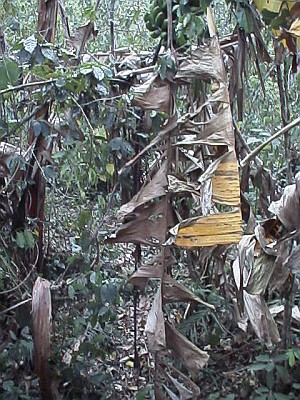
(277, 371)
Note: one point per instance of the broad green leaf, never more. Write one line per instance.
(110, 168)
(280, 396)
(71, 292)
(257, 367)
(291, 358)
(8, 386)
(20, 239)
(262, 358)
(25, 239)
(9, 73)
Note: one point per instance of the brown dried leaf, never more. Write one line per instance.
(151, 190)
(153, 269)
(173, 291)
(155, 325)
(82, 35)
(217, 131)
(280, 272)
(260, 274)
(154, 94)
(203, 63)
(186, 388)
(146, 225)
(293, 262)
(225, 182)
(191, 356)
(261, 319)
(287, 208)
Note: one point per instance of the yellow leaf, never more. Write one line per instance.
(270, 5)
(225, 182)
(129, 363)
(110, 168)
(223, 228)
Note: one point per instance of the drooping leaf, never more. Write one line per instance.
(155, 326)
(190, 355)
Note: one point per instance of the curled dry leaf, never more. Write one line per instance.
(146, 225)
(203, 63)
(153, 269)
(154, 94)
(287, 208)
(156, 187)
(261, 319)
(173, 291)
(192, 357)
(155, 325)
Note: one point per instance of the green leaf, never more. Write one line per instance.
(291, 358)
(71, 292)
(257, 367)
(245, 19)
(263, 358)
(29, 239)
(110, 168)
(283, 373)
(280, 396)
(20, 239)
(8, 386)
(142, 393)
(9, 73)
(84, 218)
(270, 380)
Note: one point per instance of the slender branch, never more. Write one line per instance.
(258, 149)
(20, 284)
(26, 85)
(15, 306)
(112, 26)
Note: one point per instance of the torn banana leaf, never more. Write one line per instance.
(155, 325)
(281, 271)
(156, 187)
(154, 94)
(204, 63)
(222, 228)
(146, 225)
(154, 269)
(217, 131)
(261, 319)
(173, 291)
(260, 274)
(190, 355)
(293, 262)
